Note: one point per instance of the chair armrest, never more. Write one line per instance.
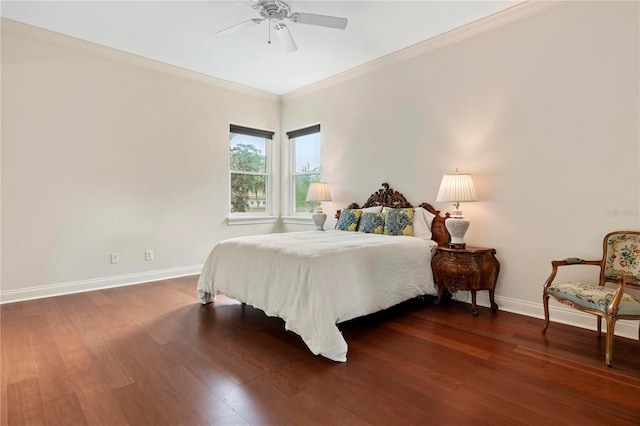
(575, 261)
(622, 281)
(568, 262)
(630, 280)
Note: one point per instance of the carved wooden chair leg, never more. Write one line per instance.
(545, 303)
(599, 319)
(611, 322)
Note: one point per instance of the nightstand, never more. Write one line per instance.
(470, 269)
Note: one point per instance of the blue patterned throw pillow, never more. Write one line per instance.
(399, 222)
(371, 223)
(348, 220)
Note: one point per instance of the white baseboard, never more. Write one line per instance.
(60, 289)
(557, 313)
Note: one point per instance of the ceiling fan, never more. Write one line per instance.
(278, 11)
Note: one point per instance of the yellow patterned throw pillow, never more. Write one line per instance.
(371, 223)
(398, 221)
(348, 220)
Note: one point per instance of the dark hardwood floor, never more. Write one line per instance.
(150, 354)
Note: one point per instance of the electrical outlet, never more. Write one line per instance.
(115, 257)
(148, 255)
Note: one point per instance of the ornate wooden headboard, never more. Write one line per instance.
(387, 197)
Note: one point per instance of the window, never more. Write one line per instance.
(250, 170)
(304, 145)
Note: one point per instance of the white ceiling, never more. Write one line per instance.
(182, 33)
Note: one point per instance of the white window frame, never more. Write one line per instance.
(290, 176)
(268, 216)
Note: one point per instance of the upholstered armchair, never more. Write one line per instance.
(620, 265)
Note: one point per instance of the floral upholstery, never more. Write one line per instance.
(611, 297)
(371, 223)
(594, 297)
(622, 256)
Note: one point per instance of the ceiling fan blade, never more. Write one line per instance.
(321, 20)
(285, 38)
(239, 26)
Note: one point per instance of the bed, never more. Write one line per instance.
(315, 280)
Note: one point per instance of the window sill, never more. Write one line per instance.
(298, 220)
(251, 220)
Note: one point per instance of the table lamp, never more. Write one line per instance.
(457, 188)
(319, 191)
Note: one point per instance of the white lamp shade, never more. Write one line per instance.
(319, 191)
(456, 188)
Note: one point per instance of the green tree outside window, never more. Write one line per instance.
(248, 164)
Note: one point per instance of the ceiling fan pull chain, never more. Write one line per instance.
(269, 26)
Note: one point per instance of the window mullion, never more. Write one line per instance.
(239, 172)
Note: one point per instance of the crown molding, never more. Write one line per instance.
(464, 32)
(122, 56)
(472, 29)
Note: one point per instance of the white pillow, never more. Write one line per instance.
(422, 220)
(374, 209)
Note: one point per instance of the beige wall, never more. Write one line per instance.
(543, 111)
(104, 152)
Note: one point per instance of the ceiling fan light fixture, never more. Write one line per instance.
(278, 10)
(273, 9)
(285, 38)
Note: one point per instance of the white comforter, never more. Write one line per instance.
(314, 280)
